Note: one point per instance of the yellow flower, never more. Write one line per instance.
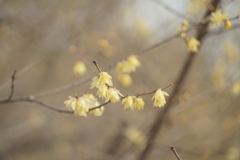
(218, 17)
(93, 102)
(138, 103)
(112, 95)
(192, 44)
(183, 28)
(81, 107)
(231, 51)
(97, 112)
(227, 24)
(128, 102)
(133, 61)
(78, 105)
(124, 79)
(129, 65)
(101, 80)
(236, 88)
(70, 103)
(102, 93)
(123, 67)
(134, 135)
(79, 68)
(105, 48)
(159, 99)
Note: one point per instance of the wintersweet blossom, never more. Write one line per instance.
(138, 103)
(81, 107)
(102, 93)
(78, 105)
(159, 99)
(227, 24)
(128, 65)
(192, 44)
(70, 103)
(112, 95)
(79, 68)
(218, 17)
(128, 102)
(133, 61)
(101, 80)
(124, 79)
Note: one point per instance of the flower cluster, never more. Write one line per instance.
(82, 105)
(192, 44)
(219, 17)
(183, 28)
(125, 67)
(79, 68)
(103, 82)
(134, 102)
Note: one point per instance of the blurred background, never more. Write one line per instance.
(43, 40)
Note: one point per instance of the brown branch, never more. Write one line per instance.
(175, 152)
(12, 85)
(158, 123)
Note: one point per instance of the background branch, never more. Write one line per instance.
(175, 152)
(159, 121)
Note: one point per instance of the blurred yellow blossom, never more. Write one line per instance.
(112, 95)
(159, 99)
(196, 6)
(227, 24)
(138, 103)
(233, 153)
(236, 88)
(230, 50)
(128, 65)
(79, 68)
(105, 48)
(124, 79)
(134, 135)
(101, 80)
(128, 102)
(192, 44)
(218, 17)
(141, 27)
(183, 28)
(218, 73)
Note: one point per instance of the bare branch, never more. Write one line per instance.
(175, 152)
(21, 72)
(12, 85)
(159, 121)
(175, 12)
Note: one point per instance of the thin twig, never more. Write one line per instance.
(21, 72)
(12, 85)
(175, 152)
(175, 12)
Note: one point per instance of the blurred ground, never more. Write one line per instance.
(48, 37)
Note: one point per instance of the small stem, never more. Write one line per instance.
(96, 64)
(142, 94)
(175, 152)
(12, 85)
